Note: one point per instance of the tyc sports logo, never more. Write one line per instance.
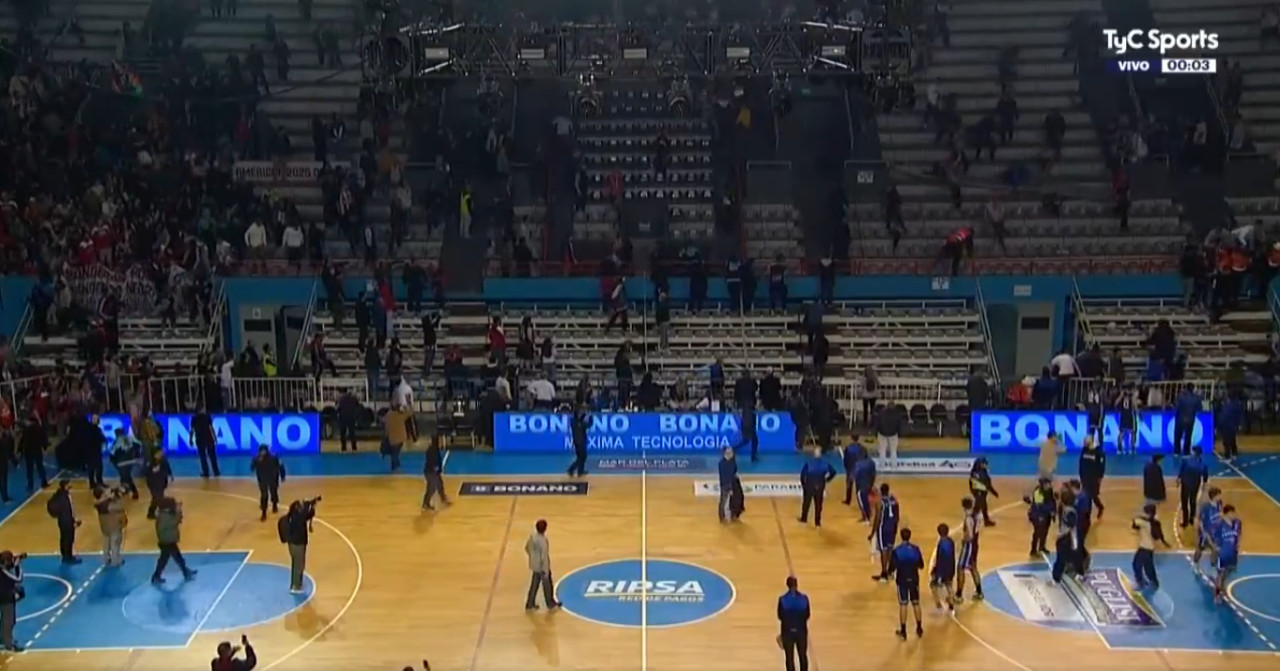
(1121, 43)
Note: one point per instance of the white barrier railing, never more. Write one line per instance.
(1152, 395)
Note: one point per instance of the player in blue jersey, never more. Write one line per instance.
(884, 530)
(1208, 518)
(1228, 550)
(968, 562)
(943, 571)
(905, 564)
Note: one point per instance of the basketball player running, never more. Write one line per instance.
(1127, 406)
(969, 552)
(884, 530)
(905, 564)
(943, 572)
(1228, 550)
(1208, 520)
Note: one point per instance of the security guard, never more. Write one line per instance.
(206, 442)
(814, 476)
(1153, 489)
(270, 472)
(1041, 512)
(159, 475)
(1192, 473)
(793, 617)
(1229, 419)
(749, 436)
(980, 487)
(60, 509)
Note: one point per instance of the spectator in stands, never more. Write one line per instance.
(996, 217)
(1269, 30)
(1055, 129)
(956, 247)
(819, 353)
(547, 357)
(778, 284)
(372, 367)
(1044, 392)
(257, 67)
(978, 391)
(1090, 364)
(1064, 369)
(662, 318)
(280, 49)
(870, 393)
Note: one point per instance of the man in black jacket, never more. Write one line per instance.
(85, 441)
(348, 411)
(578, 425)
(1153, 488)
(433, 471)
(270, 474)
(8, 457)
(10, 594)
(206, 442)
(227, 661)
(1093, 467)
(159, 475)
(60, 509)
(297, 531)
(33, 443)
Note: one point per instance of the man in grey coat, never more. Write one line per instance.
(540, 566)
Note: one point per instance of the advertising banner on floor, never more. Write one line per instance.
(647, 432)
(1024, 431)
(237, 433)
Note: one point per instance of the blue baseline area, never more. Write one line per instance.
(1189, 618)
(89, 607)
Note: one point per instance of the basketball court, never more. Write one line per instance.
(649, 578)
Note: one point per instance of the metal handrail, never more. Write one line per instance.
(306, 324)
(1273, 304)
(992, 366)
(1082, 323)
(20, 333)
(213, 340)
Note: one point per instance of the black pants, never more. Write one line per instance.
(795, 644)
(208, 460)
(1093, 487)
(156, 495)
(35, 464)
(579, 465)
(268, 490)
(347, 432)
(1190, 494)
(93, 470)
(1144, 567)
(1182, 437)
(1065, 556)
(1230, 448)
(4, 480)
(1039, 535)
(540, 579)
(753, 440)
(67, 539)
(167, 551)
(812, 495)
(980, 504)
(126, 480)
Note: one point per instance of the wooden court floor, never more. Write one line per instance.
(396, 585)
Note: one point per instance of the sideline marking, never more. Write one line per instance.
(644, 570)
(66, 604)
(791, 570)
(65, 583)
(218, 599)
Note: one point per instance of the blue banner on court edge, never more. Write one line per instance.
(237, 433)
(640, 432)
(1024, 430)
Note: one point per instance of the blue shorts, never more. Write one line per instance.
(968, 555)
(885, 537)
(908, 593)
(1203, 543)
(942, 578)
(1227, 563)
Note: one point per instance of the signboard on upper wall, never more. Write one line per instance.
(280, 172)
(1023, 431)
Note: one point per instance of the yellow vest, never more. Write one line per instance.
(269, 365)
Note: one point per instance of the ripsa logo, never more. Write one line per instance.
(652, 588)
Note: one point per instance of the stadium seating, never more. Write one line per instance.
(926, 349)
(1237, 23)
(98, 19)
(1124, 324)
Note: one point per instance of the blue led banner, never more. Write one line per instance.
(640, 432)
(1023, 431)
(237, 433)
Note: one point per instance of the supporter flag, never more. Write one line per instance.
(125, 80)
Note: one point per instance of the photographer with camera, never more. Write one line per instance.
(11, 592)
(295, 530)
(270, 473)
(226, 659)
(112, 520)
(126, 456)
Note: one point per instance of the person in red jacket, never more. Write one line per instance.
(958, 245)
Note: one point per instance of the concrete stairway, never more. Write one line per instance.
(1045, 81)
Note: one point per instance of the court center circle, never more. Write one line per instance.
(1244, 606)
(653, 593)
(42, 595)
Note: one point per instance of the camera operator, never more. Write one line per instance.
(295, 529)
(11, 593)
(226, 659)
(112, 520)
(270, 474)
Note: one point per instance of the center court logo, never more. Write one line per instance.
(664, 594)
